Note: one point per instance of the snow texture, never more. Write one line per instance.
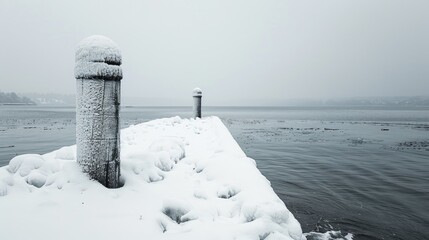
(98, 57)
(183, 179)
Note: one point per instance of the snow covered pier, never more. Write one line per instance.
(183, 179)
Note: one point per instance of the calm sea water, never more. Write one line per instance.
(339, 170)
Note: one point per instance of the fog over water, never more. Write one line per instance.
(239, 52)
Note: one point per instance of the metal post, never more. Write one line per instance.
(197, 94)
(98, 74)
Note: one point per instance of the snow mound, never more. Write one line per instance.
(98, 57)
(183, 179)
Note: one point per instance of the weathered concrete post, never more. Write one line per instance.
(98, 74)
(197, 94)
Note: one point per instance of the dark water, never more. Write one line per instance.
(359, 171)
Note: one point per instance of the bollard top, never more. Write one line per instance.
(98, 57)
(98, 48)
(197, 92)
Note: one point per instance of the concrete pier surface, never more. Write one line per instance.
(183, 179)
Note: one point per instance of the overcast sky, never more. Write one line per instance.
(237, 51)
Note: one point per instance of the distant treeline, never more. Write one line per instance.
(381, 101)
(13, 98)
(412, 101)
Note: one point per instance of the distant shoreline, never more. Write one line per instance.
(8, 104)
(246, 108)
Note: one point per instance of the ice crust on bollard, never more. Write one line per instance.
(98, 74)
(197, 95)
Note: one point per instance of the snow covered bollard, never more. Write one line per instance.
(197, 94)
(98, 74)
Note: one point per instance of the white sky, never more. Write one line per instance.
(237, 51)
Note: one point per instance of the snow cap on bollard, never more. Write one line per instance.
(98, 74)
(197, 92)
(98, 57)
(197, 95)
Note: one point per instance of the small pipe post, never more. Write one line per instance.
(197, 94)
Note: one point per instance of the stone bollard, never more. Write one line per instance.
(98, 74)
(197, 94)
